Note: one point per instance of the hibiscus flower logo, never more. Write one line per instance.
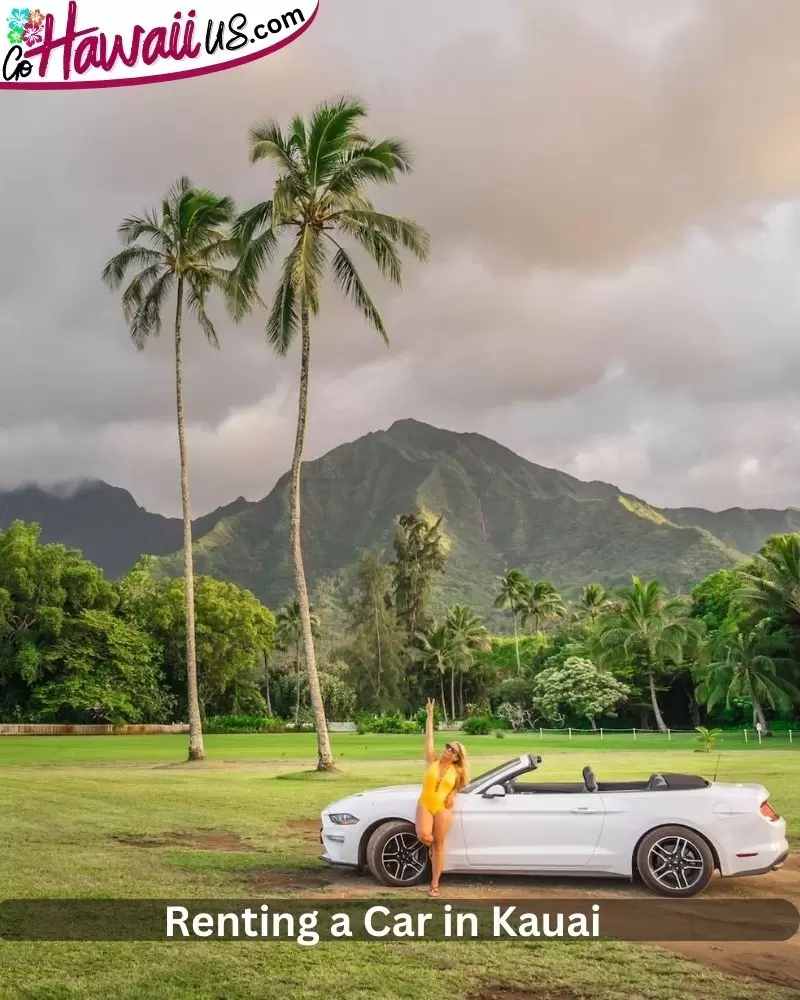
(26, 26)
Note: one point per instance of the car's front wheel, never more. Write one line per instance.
(396, 857)
(674, 861)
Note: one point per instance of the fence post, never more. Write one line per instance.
(570, 733)
(759, 736)
(634, 734)
(601, 734)
(790, 736)
(541, 733)
(669, 736)
(745, 736)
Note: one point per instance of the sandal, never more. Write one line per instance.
(433, 892)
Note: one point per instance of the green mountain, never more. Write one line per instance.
(500, 511)
(103, 521)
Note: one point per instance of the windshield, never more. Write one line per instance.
(486, 774)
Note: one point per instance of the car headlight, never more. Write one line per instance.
(343, 819)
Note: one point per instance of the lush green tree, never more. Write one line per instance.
(103, 669)
(578, 687)
(319, 202)
(420, 549)
(468, 636)
(437, 653)
(741, 671)
(177, 248)
(542, 603)
(515, 587)
(42, 587)
(376, 642)
(232, 630)
(289, 635)
(715, 600)
(772, 584)
(649, 631)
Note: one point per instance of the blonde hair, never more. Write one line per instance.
(463, 768)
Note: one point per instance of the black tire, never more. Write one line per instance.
(675, 861)
(396, 857)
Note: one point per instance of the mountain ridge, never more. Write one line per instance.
(499, 510)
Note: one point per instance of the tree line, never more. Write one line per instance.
(78, 648)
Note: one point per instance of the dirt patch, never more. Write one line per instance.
(265, 880)
(505, 993)
(202, 840)
(309, 828)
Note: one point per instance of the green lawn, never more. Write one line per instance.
(271, 747)
(67, 805)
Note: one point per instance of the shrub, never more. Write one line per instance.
(422, 717)
(387, 724)
(483, 725)
(243, 724)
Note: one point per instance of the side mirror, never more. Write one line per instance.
(494, 792)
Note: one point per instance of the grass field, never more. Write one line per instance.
(71, 810)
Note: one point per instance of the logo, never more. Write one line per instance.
(92, 43)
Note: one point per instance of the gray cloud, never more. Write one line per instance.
(612, 194)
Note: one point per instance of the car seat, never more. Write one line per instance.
(589, 779)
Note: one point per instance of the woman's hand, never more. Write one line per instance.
(450, 801)
(429, 707)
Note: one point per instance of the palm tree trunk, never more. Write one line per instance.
(441, 685)
(266, 683)
(297, 686)
(516, 640)
(196, 748)
(656, 710)
(461, 693)
(453, 690)
(324, 755)
(378, 640)
(758, 709)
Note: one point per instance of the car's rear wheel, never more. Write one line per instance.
(675, 861)
(396, 857)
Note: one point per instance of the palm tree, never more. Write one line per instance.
(515, 587)
(773, 585)
(648, 627)
(593, 601)
(739, 670)
(542, 603)
(288, 633)
(179, 248)
(468, 635)
(325, 163)
(437, 652)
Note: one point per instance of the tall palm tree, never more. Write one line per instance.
(177, 248)
(319, 202)
(515, 586)
(649, 628)
(773, 586)
(542, 603)
(740, 670)
(593, 601)
(468, 635)
(437, 652)
(288, 634)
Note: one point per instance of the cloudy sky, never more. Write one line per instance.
(612, 188)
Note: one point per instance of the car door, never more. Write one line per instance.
(530, 830)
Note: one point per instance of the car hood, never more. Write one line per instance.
(374, 795)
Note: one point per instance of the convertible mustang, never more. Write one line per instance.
(671, 831)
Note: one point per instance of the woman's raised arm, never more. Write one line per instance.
(430, 750)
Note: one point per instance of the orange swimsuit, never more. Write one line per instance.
(436, 788)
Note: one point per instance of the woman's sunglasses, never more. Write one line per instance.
(451, 749)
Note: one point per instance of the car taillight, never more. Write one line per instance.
(769, 812)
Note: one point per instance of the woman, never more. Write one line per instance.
(444, 779)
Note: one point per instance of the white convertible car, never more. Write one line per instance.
(672, 831)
